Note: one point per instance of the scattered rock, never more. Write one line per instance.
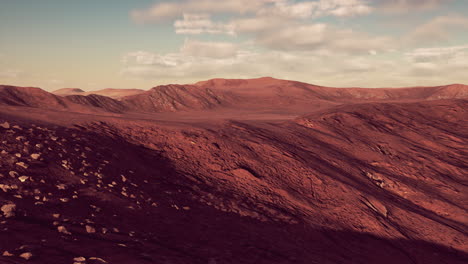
(7, 254)
(23, 178)
(90, 229)
(5, 125)
(26, 255)
(63, 230)
(98, 259)
(8, 210)
(13, 174)
(22, 164)
(79, 259)
(4, 187)
(35, 156)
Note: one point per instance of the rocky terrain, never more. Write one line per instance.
(201, 174)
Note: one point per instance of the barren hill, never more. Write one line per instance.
(109, 92)
(68, 91)
(177, 97)
(352, 181)
(267, 94)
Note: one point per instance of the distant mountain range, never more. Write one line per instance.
(261, 93)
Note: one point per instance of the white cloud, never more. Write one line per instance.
(438, 29)
(405, 6)
(439, 61)
(173, 9)
(343, 8)
(321, 38)
(10, 73)
(298, 65)
(143, 58)
(292, 9)
(436, 54)
(209, 49)
(200, 23)
(286, 40)
(289, 8)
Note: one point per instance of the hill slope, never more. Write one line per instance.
(177, 97)
(360, 183)
(266, 94)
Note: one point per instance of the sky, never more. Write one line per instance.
(92, 45)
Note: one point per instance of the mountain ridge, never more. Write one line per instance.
(260, 93)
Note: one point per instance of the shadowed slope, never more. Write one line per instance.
(94, 100)
(169, 98)
(362, 183)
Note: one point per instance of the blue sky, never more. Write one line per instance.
(140, 44)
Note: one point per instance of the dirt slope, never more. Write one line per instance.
(356, 183)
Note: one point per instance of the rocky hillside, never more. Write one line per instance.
(30, 96)
(170, 98)
(98, 101)
(267, 94)
(361, 183)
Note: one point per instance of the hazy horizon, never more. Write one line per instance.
(140, 44)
